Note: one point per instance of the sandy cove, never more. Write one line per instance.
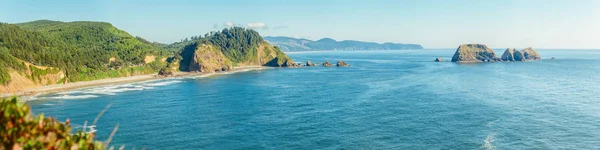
(138, 78)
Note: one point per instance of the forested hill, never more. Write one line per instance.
(220, 51)
(77, 51)
(294, 44)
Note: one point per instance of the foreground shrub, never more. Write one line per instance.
(20, 130)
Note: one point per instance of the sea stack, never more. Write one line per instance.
(474, 53)
(530, 54)
(512, 55)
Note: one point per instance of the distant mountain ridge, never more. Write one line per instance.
(295, 44)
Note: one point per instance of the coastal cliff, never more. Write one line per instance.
(207, 58)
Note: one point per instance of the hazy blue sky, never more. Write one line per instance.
(432, 23)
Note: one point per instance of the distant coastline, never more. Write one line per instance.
(289, 44)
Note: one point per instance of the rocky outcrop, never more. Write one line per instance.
(508, 55)
(207, 58)
(530, 54)
(512, 55)
(327, 63)
(518, 55)
(474, 53)
(308, 63)
(523, 55)
(341, 64)
(166, 72)
(438, 59)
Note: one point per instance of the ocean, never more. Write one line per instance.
(385, 100)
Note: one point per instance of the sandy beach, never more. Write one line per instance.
(138, 78)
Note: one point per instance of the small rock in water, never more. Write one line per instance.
(341, 63)
(438, 59)
(308, 63)
(552, 58)
(327, 63)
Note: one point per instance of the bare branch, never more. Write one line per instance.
(111, 135)
(101, 113)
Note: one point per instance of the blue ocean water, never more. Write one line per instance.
(385, 100)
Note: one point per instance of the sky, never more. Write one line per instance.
(550, 24)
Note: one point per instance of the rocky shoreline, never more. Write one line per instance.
(308, 63)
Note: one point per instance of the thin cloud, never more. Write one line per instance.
(229, 24)
(256, 25)
(280, 27)
(251, 25)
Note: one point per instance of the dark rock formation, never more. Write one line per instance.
(512, 55)
(165, 72)
(308, 63)
(474, 53)
(530, 54)
(519, 56)
(341, 63)
(438, 59)
(508, 55)
(327, 63)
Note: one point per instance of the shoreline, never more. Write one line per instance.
(109, 81)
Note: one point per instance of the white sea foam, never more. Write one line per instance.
(113, 90)
(163, 83)
(72, 97)
(488, 142)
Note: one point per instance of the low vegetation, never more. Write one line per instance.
(21, 130)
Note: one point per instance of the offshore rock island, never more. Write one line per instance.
(468, 53)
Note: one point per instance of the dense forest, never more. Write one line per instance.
(83, 50)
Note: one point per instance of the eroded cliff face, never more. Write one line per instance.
(207, 58)
(268, 55)
(474, 53)
(33, 77)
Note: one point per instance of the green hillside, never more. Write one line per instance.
(83, 50)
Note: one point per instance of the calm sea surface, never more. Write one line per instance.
(386, 100)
